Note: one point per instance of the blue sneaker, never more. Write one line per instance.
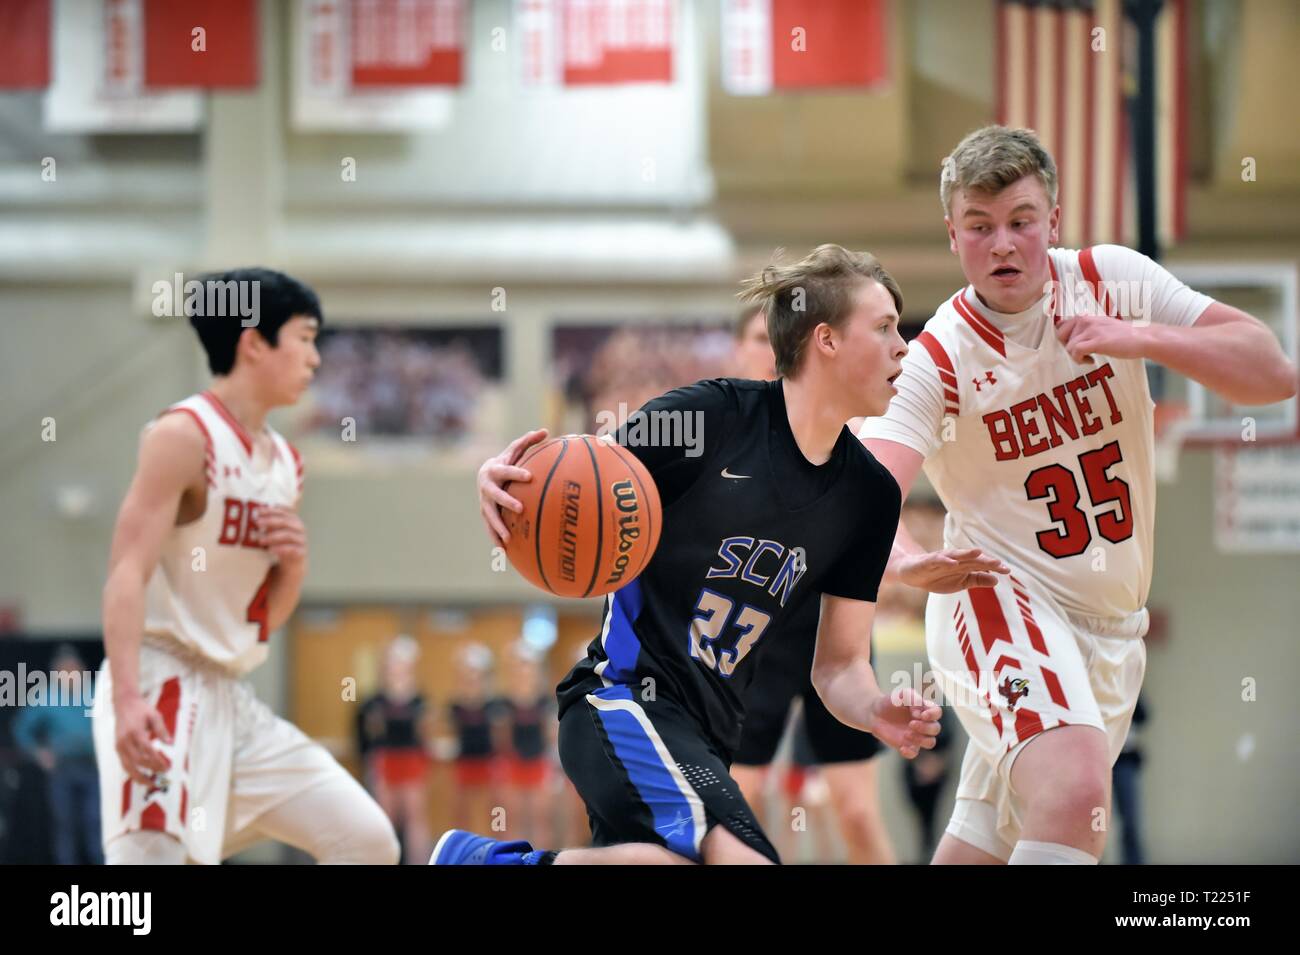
(458, 847)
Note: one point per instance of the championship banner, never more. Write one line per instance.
(24, 44)
(377, 64)
(771, 46)
(595, 42)
(99, 74)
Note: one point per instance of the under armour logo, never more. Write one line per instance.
(988, 380)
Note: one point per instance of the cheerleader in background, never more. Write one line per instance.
(394, 729)
(528, 712)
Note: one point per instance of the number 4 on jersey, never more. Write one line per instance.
(258, 610)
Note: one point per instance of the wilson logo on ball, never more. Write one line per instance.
(629, 527)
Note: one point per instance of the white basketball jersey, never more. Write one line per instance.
(209, 589)
(1042, 461)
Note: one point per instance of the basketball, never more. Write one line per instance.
(591, 517)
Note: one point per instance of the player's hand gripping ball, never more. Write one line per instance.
(591, 517)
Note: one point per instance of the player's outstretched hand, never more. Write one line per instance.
(138, 725)
(948, 571)
(904, 720)
(497, 472)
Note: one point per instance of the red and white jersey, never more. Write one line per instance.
(1042, 461)
(209, 589)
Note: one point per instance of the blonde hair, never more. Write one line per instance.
(990, 159)
(403, 649)
(818, 288)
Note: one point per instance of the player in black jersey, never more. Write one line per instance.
(777, 502)
(844, 753)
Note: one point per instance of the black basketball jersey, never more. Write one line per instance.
(472, 722)
(526, 721)
(751, 531)
(385, 723)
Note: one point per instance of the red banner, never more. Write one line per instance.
(24, 44)
(200, 43)
(595, 42)
(407, 42)
(617, 41)
(772, 45)
(842, 43)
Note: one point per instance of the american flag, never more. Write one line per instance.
(1063, 69)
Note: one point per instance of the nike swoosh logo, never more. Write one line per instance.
(728, 474)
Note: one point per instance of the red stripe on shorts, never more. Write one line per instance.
(992, 623)
(1054, 688)
(154, 817)
(1028, 723)
(169, 701)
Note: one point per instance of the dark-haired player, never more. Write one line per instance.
(781, 505)
(208, 559)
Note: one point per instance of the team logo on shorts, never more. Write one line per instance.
(160, 784)
(1013, 690)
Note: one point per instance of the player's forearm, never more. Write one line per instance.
(123, 620)
(848, 691)
(905, 545)
(283, 594)
(1240, 361)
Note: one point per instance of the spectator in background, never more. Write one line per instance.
(1125, 782)
(393, 728)
(754, 355)
(59, 737)
(529, 723)
(473, 714)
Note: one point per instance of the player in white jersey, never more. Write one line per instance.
(208, 559)
(1025, 400)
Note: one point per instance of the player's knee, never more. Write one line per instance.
(1087, 797)
(378, 842)
(368, 839)
(1078, 793)
(857, 821)
(1064, 770)
(721, 847)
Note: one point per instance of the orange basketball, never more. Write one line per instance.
(591, 517)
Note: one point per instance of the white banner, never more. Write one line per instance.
(325, 99)
(1257, 499)
(98, 74)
